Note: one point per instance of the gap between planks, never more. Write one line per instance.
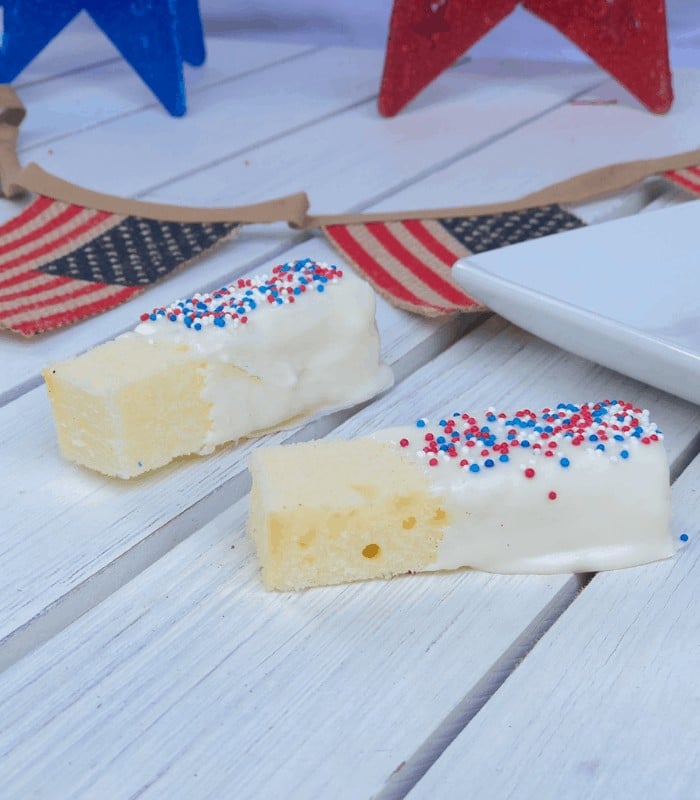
(408, 774)
(138, 109)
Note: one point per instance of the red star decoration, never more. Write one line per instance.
(627, 38)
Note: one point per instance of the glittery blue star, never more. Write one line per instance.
(154, 36)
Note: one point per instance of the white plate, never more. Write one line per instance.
(625, 294)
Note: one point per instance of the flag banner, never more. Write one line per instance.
(408, 257)
(73, 252)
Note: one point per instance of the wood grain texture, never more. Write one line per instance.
(607, 704)
(192, 681)
(191, 675)
(62, 106)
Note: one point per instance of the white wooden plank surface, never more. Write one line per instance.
(567, 141)
(222, 120)
(607, 704)
(65, 525)
(60, 106)
(191, 680)
(320, 158)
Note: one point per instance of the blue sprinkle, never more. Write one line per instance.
(489, 462)
(684, 536)
(503, 457)
(444, 447)
(473, 468)
(456, 414)
(420, 423)
(548, 428)
(442, 423)
(320, 287)
(564, 461)
(152, 316)
(593, 438)
(441, 440)
(525, 443)
(140, 465)
(220, 322)
(486, 429)
(601, 446)
(624, 454)
(619, 438)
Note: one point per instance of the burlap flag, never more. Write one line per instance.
(73, 253)
(408, 257)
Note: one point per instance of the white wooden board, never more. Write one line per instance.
(68, 525)
(61, 106)
(191, 680)
(65, 525)
(607, 704)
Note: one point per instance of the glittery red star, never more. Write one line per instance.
(627, 38)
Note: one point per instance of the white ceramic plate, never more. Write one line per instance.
(625, 294)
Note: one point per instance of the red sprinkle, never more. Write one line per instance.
(529, 472)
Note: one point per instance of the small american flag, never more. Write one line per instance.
(410, 261)
(61, 262)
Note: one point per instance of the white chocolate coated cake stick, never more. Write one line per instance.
(575, 488)
(255, 356)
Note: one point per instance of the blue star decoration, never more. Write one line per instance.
(154, 36)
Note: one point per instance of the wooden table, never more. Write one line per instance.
(141, 656)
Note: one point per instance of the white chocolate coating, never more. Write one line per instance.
(578, 488)
(607, 512)
(255, 356)
(319, 354)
